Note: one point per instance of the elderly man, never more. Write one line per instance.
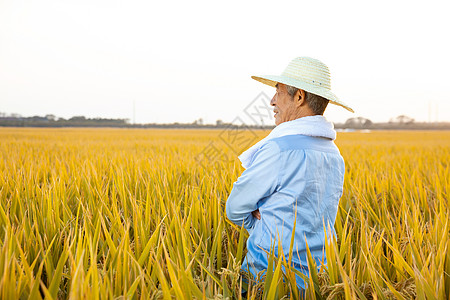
(294, 176)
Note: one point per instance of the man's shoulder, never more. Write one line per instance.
(304, 142)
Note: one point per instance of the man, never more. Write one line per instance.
(295, 175)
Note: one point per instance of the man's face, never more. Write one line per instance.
(284, 106)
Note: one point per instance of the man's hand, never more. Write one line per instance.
(256, 214)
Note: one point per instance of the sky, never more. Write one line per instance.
(178, 61)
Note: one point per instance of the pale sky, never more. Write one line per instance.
(183, 60)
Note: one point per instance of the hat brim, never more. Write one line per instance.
(272, 80)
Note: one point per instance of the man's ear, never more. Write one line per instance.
(300, 97)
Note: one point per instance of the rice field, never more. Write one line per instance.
(140, 214)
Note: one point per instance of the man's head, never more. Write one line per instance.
(312, 78)
(291, 103)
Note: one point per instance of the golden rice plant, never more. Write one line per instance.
(139, 214)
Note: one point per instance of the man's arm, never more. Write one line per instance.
(258, 181)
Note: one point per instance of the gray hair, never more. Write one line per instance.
(315, 102)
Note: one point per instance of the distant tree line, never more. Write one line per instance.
(51, 121)
(357, 123)
(397, 123)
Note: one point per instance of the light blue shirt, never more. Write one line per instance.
(288, 173)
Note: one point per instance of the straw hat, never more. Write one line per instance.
(308, 74)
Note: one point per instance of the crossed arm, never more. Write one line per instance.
(257, 182)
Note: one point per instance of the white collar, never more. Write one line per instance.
(316, 126)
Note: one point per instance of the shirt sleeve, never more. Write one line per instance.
(257, 182)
